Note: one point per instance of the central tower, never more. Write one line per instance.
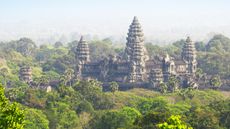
(189, 56)
(82, 56)
(135, 52)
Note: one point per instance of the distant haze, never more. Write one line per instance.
(163, 21)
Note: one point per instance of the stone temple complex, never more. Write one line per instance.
(135, 66)
(25, 74)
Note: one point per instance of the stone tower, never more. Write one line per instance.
(135, 52)
(82, 56)
(168, 67)
(189, 56)
(82, 51)
(25, 74)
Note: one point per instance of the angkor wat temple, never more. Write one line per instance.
(135, 66)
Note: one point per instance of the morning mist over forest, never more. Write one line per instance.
(114, 64)
(163, 21)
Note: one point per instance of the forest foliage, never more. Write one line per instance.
(84, 104)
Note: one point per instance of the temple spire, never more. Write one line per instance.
(135, 52)
(188, 51)
(189, 55)
(82, 57)
(135, 19)
(188, 40)
(82, 51)
(135, 37)
(81, 39)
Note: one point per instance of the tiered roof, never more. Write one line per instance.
(138, 52)
(135, 30)
(82, 51)
(135, 51)
(25, 74)
(135, 41)
(189, 51)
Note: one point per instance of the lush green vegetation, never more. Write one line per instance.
(10, 114)
(82, 104)
(85, 105)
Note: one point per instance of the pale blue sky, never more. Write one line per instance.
(164, 20)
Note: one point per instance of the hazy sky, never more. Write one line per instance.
(162, 20)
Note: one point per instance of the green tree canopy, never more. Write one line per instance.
(174, 122)
(11, 117)
(35, 119)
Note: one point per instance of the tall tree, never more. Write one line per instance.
(215, 81)
(11, 117)
(42, 81)
(69, 74)
(173, 83)
(113, 88)
(199, 73)
(58, 44)
(63, 80)
(3, 73)
(163, 87)
(25, 46)
(35, 119)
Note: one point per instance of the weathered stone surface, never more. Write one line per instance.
(134, 66)
(82, 56)
(189, 56)
(82, 51)
(135, 52)
(25, 74)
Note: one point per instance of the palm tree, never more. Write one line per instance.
(173, 83)
(41, 81)
(113, 88)
(63, 80)
(69, 74)
(163, 87)
(183, 93)
(215, 81)
(199, 73)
